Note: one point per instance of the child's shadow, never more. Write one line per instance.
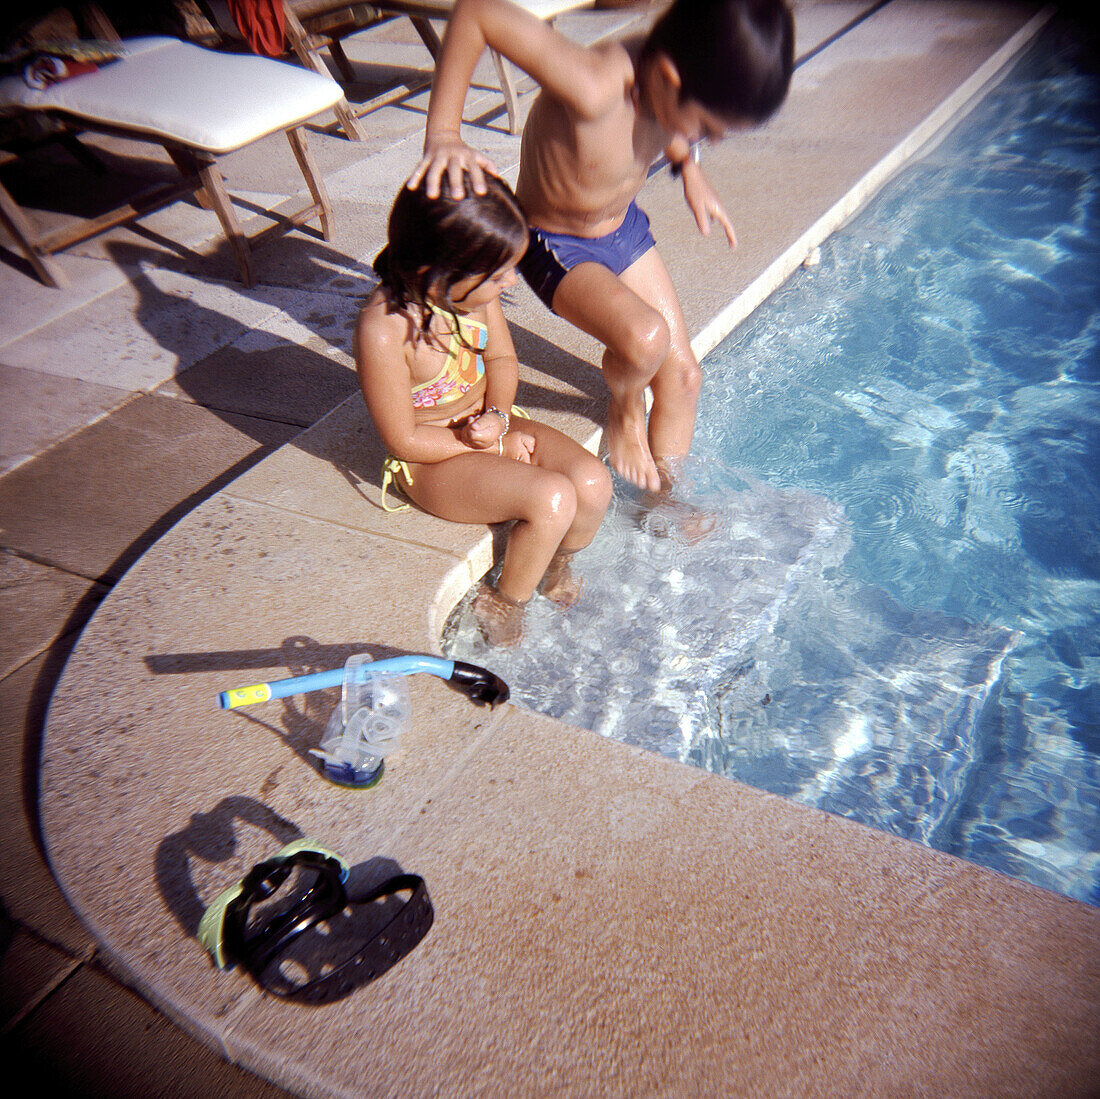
(276, 355)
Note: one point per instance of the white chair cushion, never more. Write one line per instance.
(544, 9)
(170, 89)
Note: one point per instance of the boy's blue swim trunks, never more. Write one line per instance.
(551, 256)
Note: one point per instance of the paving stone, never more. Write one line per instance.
(29, 970)
(121, 1048)
(94, 502)
(304, 262)
(286, 382)
(29, 304)
(141, 334)
(587, 902)
(294, 367)
(30, 893)
(642, 927)
(37, 604)
(39, 409)
(243, 617)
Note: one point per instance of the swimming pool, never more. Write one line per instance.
(897, 615)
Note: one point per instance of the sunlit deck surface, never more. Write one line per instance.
(189, 502)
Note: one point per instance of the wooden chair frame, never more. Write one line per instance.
(199, 176)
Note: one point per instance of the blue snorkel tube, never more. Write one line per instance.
(374, 707)
(478, 684)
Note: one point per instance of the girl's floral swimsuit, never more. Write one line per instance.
(463, 368)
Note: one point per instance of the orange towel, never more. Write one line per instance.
(262, 24)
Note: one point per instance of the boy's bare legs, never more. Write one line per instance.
(638, 319)
(677, 382)
(675, 390)
(636, 340)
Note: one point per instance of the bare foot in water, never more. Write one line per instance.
(627, 446)
(689, 523)
(671, 517)
(559, 585)
(500, 618)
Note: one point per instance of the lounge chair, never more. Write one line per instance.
(314, 25)
(197, 104)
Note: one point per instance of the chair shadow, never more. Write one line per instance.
(270, 378)
(251, 372)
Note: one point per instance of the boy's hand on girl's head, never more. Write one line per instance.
(450, 158)
(519, 446)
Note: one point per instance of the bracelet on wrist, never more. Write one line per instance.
(693, 156)
(503, 415)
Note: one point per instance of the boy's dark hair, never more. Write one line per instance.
(735, 57)
(436, 242)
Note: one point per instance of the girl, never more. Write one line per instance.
(439, 373)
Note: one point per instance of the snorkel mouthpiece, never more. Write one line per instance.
(366, 726)
(479, 685)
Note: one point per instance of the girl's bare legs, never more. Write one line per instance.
(586, 473)
(592, 484)
(559, 585)
(557, 502)
(500, 618)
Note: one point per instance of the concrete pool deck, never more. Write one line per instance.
(606, 921)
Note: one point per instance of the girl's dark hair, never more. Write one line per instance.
(436, 242)
(735, 57)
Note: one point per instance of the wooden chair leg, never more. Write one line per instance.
(184, 159)
(313, 178)
(346, 117)
(81, 153)
(219, 198)
(299, 40)
(15, 222)
(427, 34)
(508, 87)
(504, 71)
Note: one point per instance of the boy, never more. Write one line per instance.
(603, 115)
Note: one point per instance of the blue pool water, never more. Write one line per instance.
(897, 615)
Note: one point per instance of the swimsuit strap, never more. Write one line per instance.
(391, 468)
(452, 318)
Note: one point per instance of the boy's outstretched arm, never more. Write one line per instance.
(701, 197)
(557, 64)
(704, 203)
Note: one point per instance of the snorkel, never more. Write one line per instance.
(478, 684)
(374, 707)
